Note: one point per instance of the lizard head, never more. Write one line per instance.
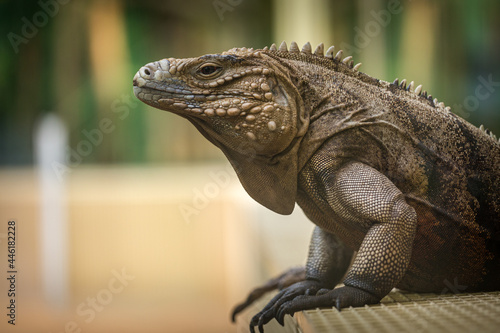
(244, 102)
(235, 99)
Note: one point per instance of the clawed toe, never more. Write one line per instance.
(295, 299)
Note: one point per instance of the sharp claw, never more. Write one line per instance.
(262, 318)
(337, 303)
(254, 322)
(261, 326)
(287, 308)
(280, 317)
(236, 311)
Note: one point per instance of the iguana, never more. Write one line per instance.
(403, 192)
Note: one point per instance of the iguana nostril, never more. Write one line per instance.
(146, 72)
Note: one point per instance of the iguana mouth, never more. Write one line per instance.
(191, 103)
(173, 99)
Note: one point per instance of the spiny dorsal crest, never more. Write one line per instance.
(348, 61)
(338, 57)
(489, 133)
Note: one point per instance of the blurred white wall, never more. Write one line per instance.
(134, 250)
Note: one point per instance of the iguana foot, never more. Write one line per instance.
(306, 287)
(286, 279)
(310, 295)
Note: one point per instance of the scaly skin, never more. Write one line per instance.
(381, 168)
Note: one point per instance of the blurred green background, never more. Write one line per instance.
(78, 59)
(141, 189)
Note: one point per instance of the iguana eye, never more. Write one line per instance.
(209, 70)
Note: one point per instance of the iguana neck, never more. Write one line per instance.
(324, 86)
(328, 94)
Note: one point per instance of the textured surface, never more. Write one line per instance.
(408, 312)
(398, 312)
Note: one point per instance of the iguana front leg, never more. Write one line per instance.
(362, 198)
(327, 263)
(328, 257)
